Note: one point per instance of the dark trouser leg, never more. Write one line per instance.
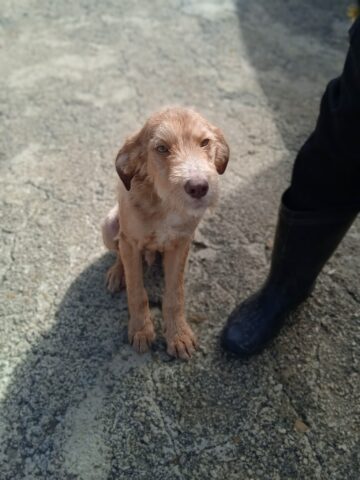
(326, 172)
(315, 214)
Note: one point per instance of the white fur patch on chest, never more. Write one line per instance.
(169, 229)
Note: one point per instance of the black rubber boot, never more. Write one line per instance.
(304, 241)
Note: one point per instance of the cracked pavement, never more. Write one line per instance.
(75, 401)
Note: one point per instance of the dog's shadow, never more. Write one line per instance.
(90, 328)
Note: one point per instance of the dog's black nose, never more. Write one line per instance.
(196, 187)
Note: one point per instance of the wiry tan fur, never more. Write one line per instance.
(154, 213)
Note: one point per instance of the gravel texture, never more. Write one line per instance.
(75, 401)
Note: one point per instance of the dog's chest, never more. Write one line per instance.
(167, 231)
(170, 228)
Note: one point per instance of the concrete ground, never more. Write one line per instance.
(76, 401)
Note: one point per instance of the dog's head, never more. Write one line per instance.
(181, 154)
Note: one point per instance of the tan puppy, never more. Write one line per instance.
(168, 173)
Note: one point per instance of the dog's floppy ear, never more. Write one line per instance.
(128, 159)
(222, 152)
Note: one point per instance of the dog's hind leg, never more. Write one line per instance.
(115, 277)
(110, 229)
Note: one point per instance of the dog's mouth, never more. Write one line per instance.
(200, 204)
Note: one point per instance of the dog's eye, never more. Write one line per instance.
(162, 149)
(205, 142)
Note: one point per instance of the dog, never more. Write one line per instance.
(168, 177)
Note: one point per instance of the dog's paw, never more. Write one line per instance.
(182, 344)
(115, 279)
(141, 340)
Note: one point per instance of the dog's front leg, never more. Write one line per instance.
(141, 328)
(181, 341)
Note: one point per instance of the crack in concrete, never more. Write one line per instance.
(50, 195)
(299, 415)
(311, 446)
(12, 258)
(165, 427)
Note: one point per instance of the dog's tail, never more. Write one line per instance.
(110, 229)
